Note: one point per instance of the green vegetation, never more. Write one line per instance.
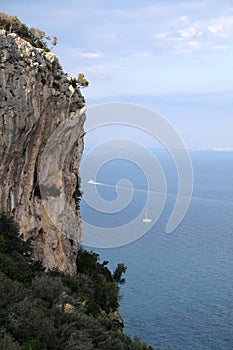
(53, 311)
(36, 37)
(77, 194)
(117, 275)
(81, 81)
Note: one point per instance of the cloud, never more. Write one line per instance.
(221, 47)
(92, 55)
(203, 35)
(222, 27)
(104, 71)
(130, 46)
(126, 28)
(189, 32)
(195, 45)
(184, 18)
(161, 35)
(97, 69)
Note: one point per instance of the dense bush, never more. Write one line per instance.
(16, 256)
(51, 310)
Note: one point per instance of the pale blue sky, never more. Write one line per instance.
(174, 56)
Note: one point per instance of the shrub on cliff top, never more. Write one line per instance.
(36, 37)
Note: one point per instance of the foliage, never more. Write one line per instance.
(7, 342)
(77, 195)
(16, 255)
(51, 310)
(104, 293)
(35, 37)
(38, 38)
(117, 274)
(81, 81)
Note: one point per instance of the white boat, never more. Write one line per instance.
(92, 182)
(146, 219)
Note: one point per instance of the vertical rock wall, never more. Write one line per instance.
(41, 143)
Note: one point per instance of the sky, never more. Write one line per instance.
(173, 56)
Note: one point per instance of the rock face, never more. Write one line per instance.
(41, 143)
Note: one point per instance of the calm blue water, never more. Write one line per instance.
(179, 287)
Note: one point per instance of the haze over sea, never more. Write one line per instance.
(179, 286)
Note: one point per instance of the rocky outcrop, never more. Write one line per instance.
(41, 143)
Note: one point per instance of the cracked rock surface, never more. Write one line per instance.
(41, 144)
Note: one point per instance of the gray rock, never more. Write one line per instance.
(41, 143)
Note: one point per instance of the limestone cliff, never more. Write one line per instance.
(41, 143)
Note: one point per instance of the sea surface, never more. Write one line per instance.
(178, 293)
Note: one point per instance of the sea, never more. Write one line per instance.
(178, 293)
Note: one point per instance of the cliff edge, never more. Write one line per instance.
(41, 143)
